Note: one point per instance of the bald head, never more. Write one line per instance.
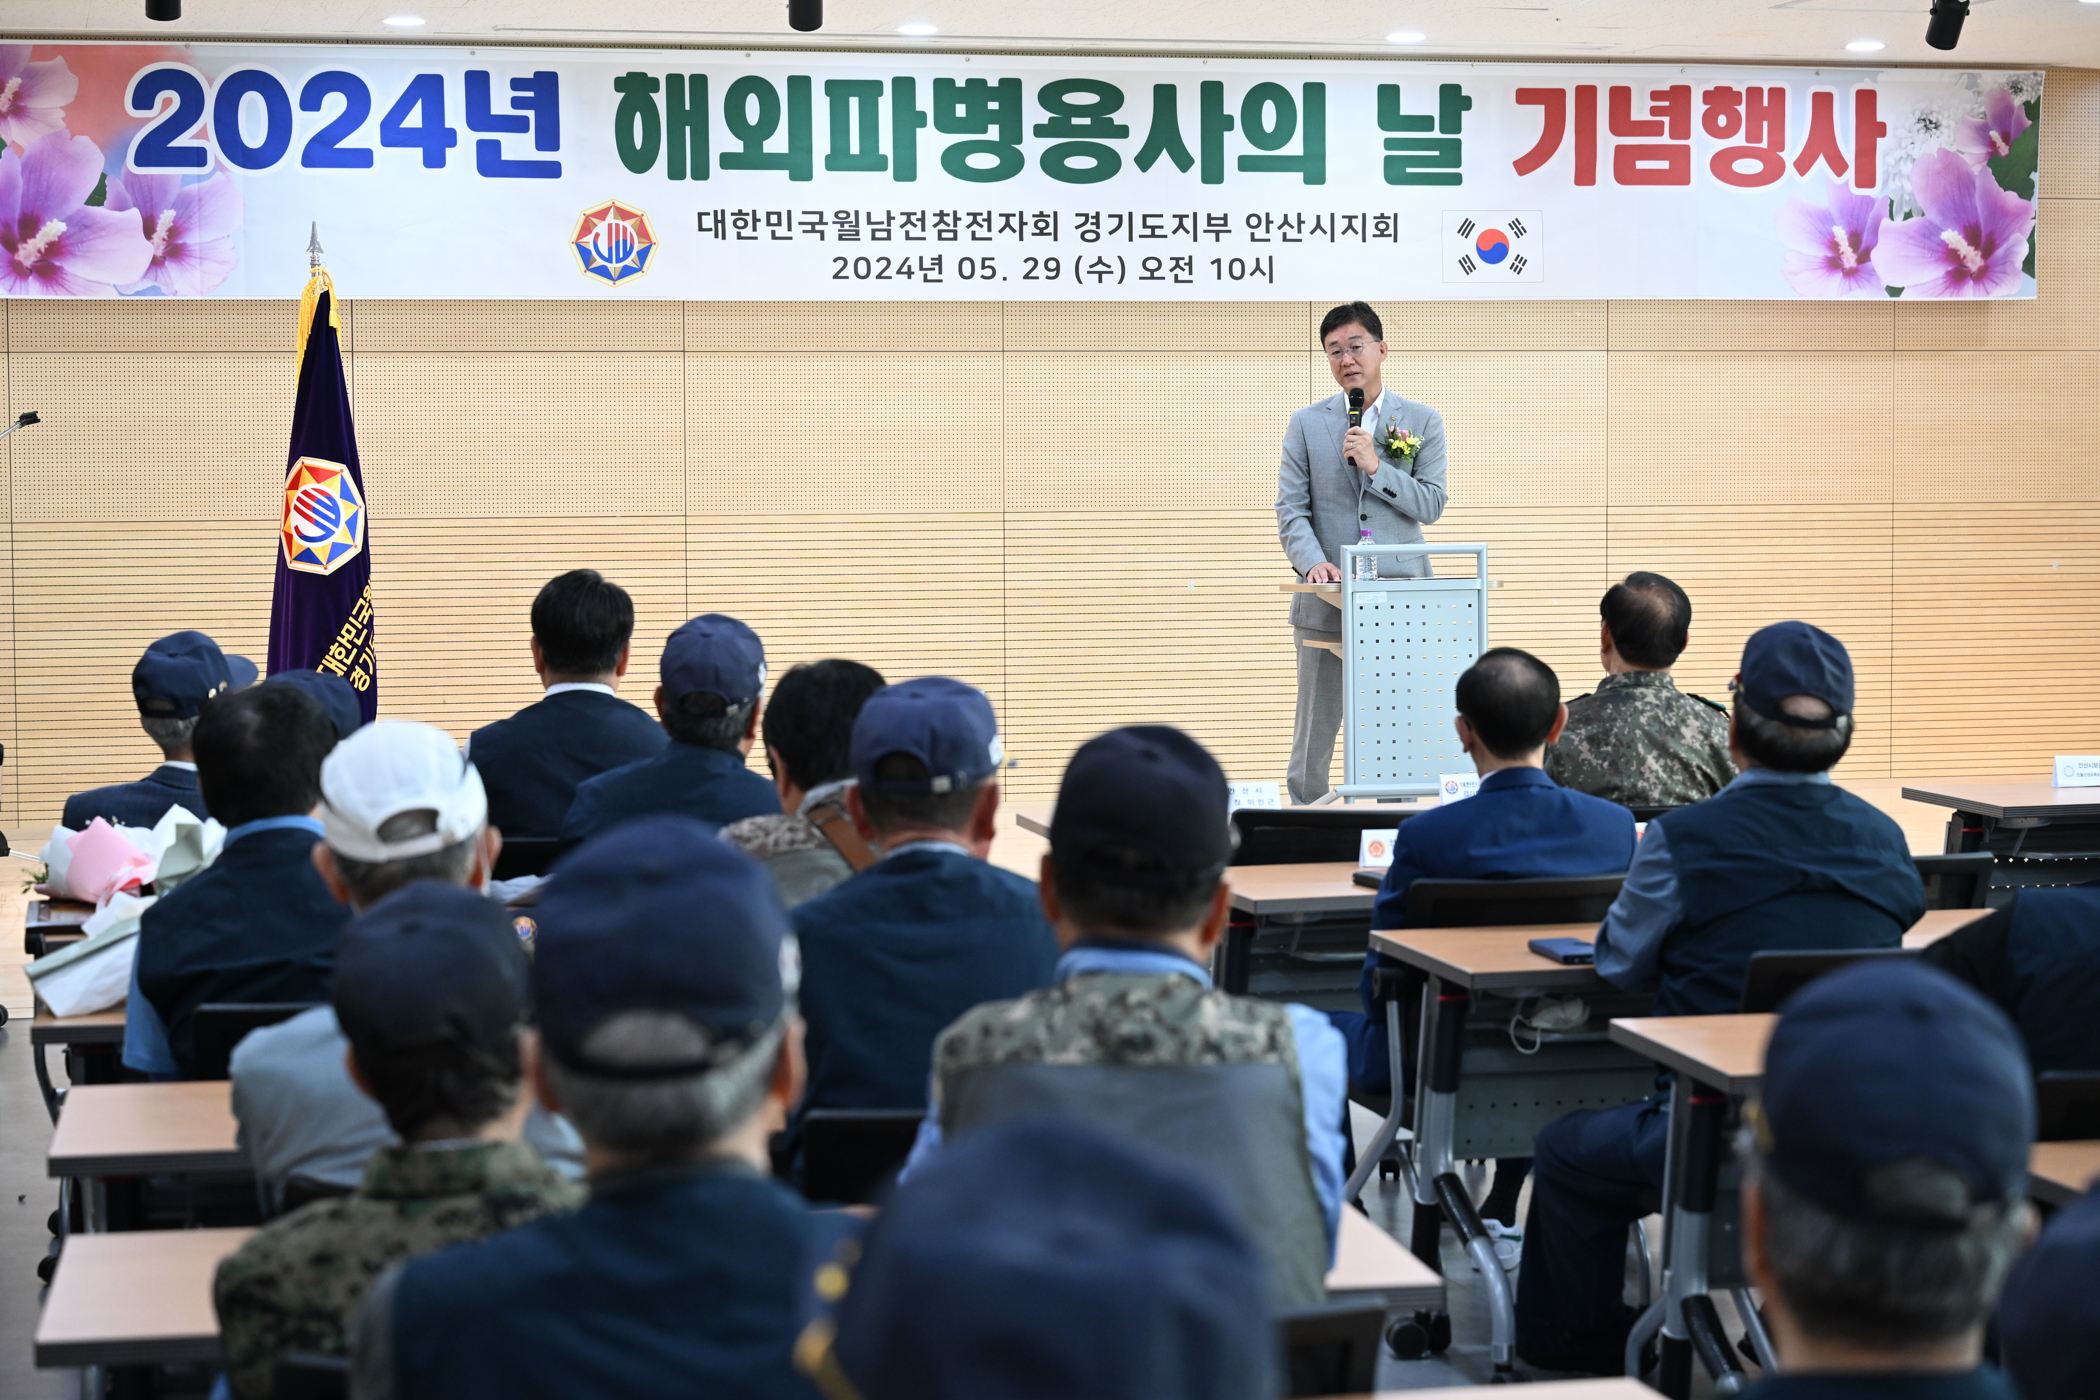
(1512, 700)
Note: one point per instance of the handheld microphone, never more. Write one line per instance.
(1356, 408)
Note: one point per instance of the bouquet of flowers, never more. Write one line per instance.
(1397, 443)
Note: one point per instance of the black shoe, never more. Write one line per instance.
(1601, 1353)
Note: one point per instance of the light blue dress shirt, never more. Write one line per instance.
(145, 1038)
(1323, 1072)
(1629, 945)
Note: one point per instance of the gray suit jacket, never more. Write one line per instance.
(1322, 500)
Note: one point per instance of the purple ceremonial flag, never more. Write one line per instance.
(321, 613)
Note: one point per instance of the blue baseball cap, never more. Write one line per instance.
(431, 964)
(657, 914)
(946, 725)
(1886, 1061)
(1042, 1261)
(715, 655)
(181, 671)
(1793, 658)
(2049, 1315)
(1147, 805)
(335, 696)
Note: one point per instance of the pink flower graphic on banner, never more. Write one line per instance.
(33, 96)
(1992, 134)
(189, 228)
(1830, 246)
(50, 243)
(1969, 242)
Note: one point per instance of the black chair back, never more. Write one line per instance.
(217, 1026)
(1582, 899)
(1300, 835)
(1330, 1350)
(302, 1190)
(851, 1155)
(306, 1375)
(1957, 881)
(2067, 1106)
(1772, 977)
(525, 855)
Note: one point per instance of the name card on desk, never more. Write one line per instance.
(1266, 796)
(1456, 787)
(1374, 850)
(2076, 770)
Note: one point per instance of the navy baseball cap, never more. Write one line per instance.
(1041, 1261)
(181, 671)
(431, 963)
(1889, 1060)
(1147, 805)
(658, 915)
(335, 696)
(2049, 1314)
(1793, 658)
(946, 725)
(715, 655)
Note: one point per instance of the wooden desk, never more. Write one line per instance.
(2040, 834)
(49, 919)
(146, 1130)
(2060, 1172)
(1034, 817)
(1938, 923)
(1726, 1052)
(2006, 799)
(1368, 1260)
(95, 1028)
(1319, 887)
(1491, 959)
(141, 1298)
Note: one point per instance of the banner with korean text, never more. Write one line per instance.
(517, 173)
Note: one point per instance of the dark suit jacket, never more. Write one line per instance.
(687, 779)
(136, 804)
(532, 762)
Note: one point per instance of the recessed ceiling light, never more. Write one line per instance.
(1405, 36)
(918, 31)
(403, 21)
(1865, 46)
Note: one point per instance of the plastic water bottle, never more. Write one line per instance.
(1366, 564)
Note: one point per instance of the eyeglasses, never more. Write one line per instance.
(1354, 350)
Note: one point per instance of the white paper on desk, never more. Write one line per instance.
(1374, 848)
(2075, 770)
(95, 973)
(179, 845)
(1456, 787)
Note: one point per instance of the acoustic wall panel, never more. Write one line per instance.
(1550, 565)
(155, 326)
(1417, 327)
(2070, 152)
(2065, 317)
(1973, 427)
(1190, 330)
(476, 328)
(1789, 327)
(822, 327)
(1522, 428)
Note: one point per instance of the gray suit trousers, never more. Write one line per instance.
(1319, 717)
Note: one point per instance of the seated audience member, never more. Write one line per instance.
(1042, 1261)
(398, 805)
(807, 730)
(1780, 859)
(1247, 1094)
(894, 955)
(172, 681)
(1886, 1188)
(714, 669)
(1639, 740)
(2038, 958)
(676, 1055)
(1519, 825)
(431, 985)
(335, 694)
(257, 924)
(2049, 1319)
(582, 627)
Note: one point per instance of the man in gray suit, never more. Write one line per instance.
(1335, 482)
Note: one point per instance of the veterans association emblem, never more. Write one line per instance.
(614, 242)
(324, 518)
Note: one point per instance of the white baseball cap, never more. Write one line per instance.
(392, 767)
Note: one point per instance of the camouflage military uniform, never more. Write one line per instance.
(802, 863)
(1641, 742)
(298, 1283)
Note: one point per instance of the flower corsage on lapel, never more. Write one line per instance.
(1399, 444)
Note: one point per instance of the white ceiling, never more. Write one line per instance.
(2024, 32)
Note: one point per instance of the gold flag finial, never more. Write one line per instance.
(317, 281)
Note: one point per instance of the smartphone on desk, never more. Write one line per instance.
(1572, 952)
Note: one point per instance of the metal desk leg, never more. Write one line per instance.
(1436, 1106)
(1697, 1118)
(1389, 1130)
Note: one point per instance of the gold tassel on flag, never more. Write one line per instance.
(316, 283)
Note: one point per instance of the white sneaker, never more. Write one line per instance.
(1509, 1244)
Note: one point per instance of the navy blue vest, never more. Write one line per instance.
(713, 785)
(2051, 980)
(1764, 866)
(136, 804)
(532, 762)
(664, 1286)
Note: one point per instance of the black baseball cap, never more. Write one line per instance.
(946, 725)
(658, 914)
(1886, 1061)
(715, 655)
(1042, 1261)
(2049, 1315)
(335, 696)
(1793, 658)
(181, 671)
(431, 964)
(1144, 805)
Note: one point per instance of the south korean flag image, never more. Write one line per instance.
(1494, 245)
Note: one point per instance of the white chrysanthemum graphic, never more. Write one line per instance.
(1933, 123)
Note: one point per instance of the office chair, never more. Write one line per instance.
(850, 1155)
(1331, 1349)
(1957, 881)
(217, 1026)
(1582, 899)
(2067, 1106)
(1773, 976)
